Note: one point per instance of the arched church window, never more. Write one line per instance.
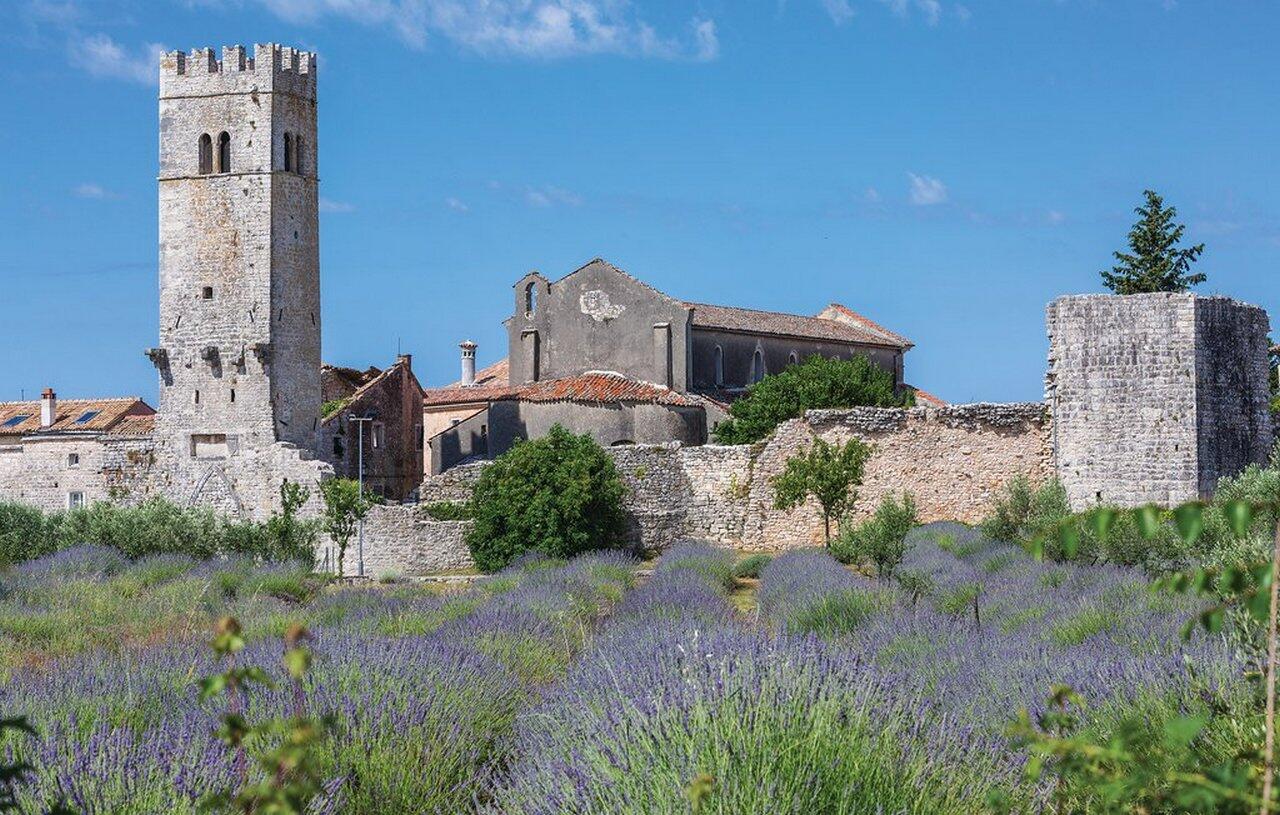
(224, 152)
(206, 154)
(757, 366)
(530, 298)
(719, 366)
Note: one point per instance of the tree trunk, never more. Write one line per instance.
(826, 529)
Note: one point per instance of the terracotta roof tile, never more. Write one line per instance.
(752, 321)
(87, 415)
(924, 398)
(839, 312)
(140, 425)
(491, 383)
(599, 387)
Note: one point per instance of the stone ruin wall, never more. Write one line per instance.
(954, 460)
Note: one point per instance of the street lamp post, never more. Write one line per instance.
(360, 420)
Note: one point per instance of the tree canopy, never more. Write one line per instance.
(818, 382)
(1154, 262)
(829, 473)
(559, 495)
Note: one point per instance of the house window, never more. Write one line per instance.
(288, 152)
(379, 434)
(73, 459)
(338, 449)
(224, 152)
(75, 500)
(757, 366)
(206, 154)
(719, 366)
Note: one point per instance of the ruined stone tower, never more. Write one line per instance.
(1155, 397)
(239, 352)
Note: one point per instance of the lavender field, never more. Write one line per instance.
(576, 688)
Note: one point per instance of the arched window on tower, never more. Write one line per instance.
(719, 366)
(757, 366)
(206, 154)
(530, 298)
(298, 154)
(224, 152)
(288, 152)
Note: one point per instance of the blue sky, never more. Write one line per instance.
(944, 168)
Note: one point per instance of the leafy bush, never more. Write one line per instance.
(1022, 512)
(449, 511)
(818, 382)
(751, 566)
(559, 495)
(24, 533)
(881, 540)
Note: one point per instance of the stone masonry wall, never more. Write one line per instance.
(1155, 396)
(401, 540)
(954, 460)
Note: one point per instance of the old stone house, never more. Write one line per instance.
(381, 423)
(63, 454)
(603, 353)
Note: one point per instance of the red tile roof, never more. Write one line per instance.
(851, 329)
(87, 415)
(598, 387)
(926, 399)
(140, 425)
(491, 383)
(842, 313)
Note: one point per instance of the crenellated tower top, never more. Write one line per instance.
(271, 68)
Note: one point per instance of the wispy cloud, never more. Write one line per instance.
(1055, 217)
(930, 10)
(103, 57)
(456, 205)
(543, 29)
(926, 190)
(871, 195)
(548, 196)
(329, 205)
(839, 11)
(95, 192)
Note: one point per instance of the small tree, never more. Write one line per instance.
(344, 508)
(289, 538)
(1154, 263)
(829, 473)
(881, 540)
(818, 382)
(559, 495)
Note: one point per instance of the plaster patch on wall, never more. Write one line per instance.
(596, 305)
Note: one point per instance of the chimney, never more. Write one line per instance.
(48, 408)
(468, 362)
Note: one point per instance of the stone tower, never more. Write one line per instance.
(1154, 397)
(239, 352)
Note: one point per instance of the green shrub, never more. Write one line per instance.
(818, 382)
(449, 511)
(881, 540)
(1023, 512)
(24, 533)
(559, 495)
(751, 566)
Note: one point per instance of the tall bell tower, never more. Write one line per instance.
(239, 350)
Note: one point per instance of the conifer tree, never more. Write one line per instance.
(1155, 263)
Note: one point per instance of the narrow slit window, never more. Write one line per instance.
(206, 154)
(719, 366)
(288, 152)
(233, 394)
(224, 152)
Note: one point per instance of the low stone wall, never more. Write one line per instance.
(400, 539)
(953, 460)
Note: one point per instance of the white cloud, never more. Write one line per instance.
(103, 57)
(456, 205)
(541, 29)
(962, 13)
(93, 191)
(329, 205)
(926, 190)
(839, 11)
(931, 9)
(1055, 217)
(547, 196)
(871, 195)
